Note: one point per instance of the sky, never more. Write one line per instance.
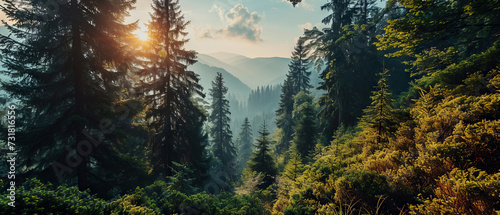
(253, 28)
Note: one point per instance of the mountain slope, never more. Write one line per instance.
(252, 71)
(228, 58)
(207, 75)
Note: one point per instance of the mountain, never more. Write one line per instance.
(251, 71)
(229, 58)
(207, 75)
(212, 61)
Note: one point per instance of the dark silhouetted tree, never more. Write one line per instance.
(245, 141)
(170, 90)
(220, 132)
(69, 65)
(261, 160)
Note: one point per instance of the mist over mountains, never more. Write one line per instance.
(251, 71)
(243, 74)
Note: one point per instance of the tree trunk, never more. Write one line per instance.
(79, 85)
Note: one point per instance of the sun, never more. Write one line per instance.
(141, 34)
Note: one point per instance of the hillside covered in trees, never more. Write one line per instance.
(405, 118)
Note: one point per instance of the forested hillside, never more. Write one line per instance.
(404, 119)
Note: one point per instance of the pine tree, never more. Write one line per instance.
(261, 160)
(244, 144)
(220, 131)
(304, 137)
(379, 116)
(169, 88)
(296, 80)
(294, 166)
(298, 68)
(350, 56)
(70, 62)
(284, 118)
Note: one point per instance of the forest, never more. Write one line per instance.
(403, 119)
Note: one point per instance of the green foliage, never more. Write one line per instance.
(244, 142)
(304, 138)
(379, 118)
(68, 67)
(470, 191)
(261, 160)
(34, 197)
(220, 132)
(168, 87)
(158, 199)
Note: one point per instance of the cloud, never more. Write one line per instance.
(242, 24)
(306, 26)
(219, 10)
(202, 33)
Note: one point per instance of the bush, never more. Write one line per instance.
(34, 197)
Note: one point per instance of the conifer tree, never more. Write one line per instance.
(296, 80)
(284, 118)
(169, 88)
(244, 144)
(350, 57)
(70, 64)
(298, 68)
(261, 160)
(304, 137)
(220, 131)
(379, 116)
(294, 166)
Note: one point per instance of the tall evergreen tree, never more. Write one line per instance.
(220, 131)
(244, 144)
(379, 116)
(284, 118)
(69, 62)
(298, 68)
(347, 47)
(169, 88)
(261, 160)
(304, 137)
(296, 80)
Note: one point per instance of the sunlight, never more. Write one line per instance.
(141, 34)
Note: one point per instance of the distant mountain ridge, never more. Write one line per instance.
(207, 75)
(253, 72)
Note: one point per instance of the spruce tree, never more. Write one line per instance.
(261, 160)
(284, 118)
(304, 137)
(379, 116)
(169, 89)
(220, 131)
(296, 80)
(68, 61)
(244, 144)
(298, 68)
(350, 56)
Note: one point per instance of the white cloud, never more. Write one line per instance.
(219, 10)
(202, 33)
(242, 24)
(306, 26)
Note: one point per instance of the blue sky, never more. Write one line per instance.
(254, 28)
